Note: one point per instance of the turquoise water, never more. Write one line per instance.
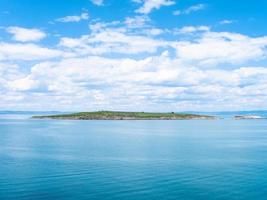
(146, 160)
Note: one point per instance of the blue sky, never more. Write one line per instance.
(149, 55)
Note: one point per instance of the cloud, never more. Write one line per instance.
(73, 18)
(98, 2)
(155, 31)
(111, 42)
(137, 21)
(227, 21)
(8, 71)
(149, 5)
(23, 84)
(117, 39)
(195, 8)
(130, 65)
(190, 10)
(201, 46)
(27, 52)
(150, 83)
(213, 48)
(192, 29)
(25, 35)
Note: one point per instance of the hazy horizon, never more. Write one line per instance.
(187, 111)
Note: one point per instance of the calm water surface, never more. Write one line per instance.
(146, 160)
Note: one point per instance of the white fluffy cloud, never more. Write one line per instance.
(11, 51)
(112, 40)
(25, 34)
(145, 82)
(215, 48)
(74, 18)
(204, 48)
(149, 5)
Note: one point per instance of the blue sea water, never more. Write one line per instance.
(146, 160)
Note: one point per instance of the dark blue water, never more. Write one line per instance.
(146, 160)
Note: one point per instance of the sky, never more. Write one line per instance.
(133, 55)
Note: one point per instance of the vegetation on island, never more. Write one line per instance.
(111, 115)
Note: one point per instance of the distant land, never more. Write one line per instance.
(10, 112)
(113, 115)
(238, 117)
(252, 114)
(231, 114)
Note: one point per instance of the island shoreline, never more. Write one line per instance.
(120, 116)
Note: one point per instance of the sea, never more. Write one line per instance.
(221, 159)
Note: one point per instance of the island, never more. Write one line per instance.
(112, 115)
(238, 117)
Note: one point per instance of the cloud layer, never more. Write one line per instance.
(128, 65)
(133, 64)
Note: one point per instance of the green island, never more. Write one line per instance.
(112, 115)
